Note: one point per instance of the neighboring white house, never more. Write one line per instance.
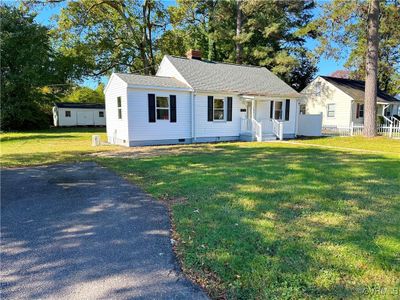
(193, 100)
(341, 102)
(79, 114)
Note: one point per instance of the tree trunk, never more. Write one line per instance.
(143, 44)
(149, 26)
(239, 46)
(371, 84)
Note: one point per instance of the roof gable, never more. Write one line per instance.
(212, 76)
(356, 89)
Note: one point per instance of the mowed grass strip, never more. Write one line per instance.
(275, 220)
(48, 146)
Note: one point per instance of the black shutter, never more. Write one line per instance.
(229, 115)
(152, 108)
(287, 110)
(172, 107)
(210, 108)
(271, 110)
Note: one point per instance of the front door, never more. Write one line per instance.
(249, 110)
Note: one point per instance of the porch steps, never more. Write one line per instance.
(268, 137)
(247, 137)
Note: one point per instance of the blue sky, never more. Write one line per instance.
(325, 66)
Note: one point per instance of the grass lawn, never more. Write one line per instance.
(48, 146)
(277, 220)
(357, 142)
(264, 220)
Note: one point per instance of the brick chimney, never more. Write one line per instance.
(193, 54)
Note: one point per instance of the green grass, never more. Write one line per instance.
(357, 142)
(48, 146)
(263, 220)
(276, 220)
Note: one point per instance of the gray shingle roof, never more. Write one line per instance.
(356, 89)
(159, 81)
(214, 76)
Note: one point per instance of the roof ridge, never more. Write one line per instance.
(218, 62)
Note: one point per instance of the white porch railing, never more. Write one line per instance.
(354, 130)
(257, 130)
(277, 128)
(395, 120)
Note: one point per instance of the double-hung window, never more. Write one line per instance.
(278, 110)
(162, 108)
(331, 110)
(119, 105)
(219, 109)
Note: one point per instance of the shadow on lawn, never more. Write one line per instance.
(37, 137)
(278, 221)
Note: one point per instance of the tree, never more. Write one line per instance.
(106, 35)
(263, 33)
(371, 86)
(343, 25)
(28, 66)
(85, 95)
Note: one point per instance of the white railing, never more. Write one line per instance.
(387, 121)
(277, 129)
(257, 130)
(395, 120)
(354, 130)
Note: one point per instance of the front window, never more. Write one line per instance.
(162, 108)
(331, 110)
(278, 110)
(68, 113)
(219, 109)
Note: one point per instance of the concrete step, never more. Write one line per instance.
(269, 137)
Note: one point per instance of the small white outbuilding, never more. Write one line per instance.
(79, 114)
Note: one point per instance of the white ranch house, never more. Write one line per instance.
(78, 114)
(192, 100)
(341, 103)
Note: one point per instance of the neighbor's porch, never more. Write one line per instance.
(267, 119)
(387, 113)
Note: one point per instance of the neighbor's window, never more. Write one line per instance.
(68, 113)
(119, 107)
(278, 110)
(302, 109)
(162, 107)
(331, 110)
(101, 114)
(219, 109)
(318, 88)
(361, 111)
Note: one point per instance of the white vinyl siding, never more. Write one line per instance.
(329, 95)
(117, 129)
(140, 129)
(79, 117)
(223, 128)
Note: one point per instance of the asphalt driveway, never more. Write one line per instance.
(78, 231)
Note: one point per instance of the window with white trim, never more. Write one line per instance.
(278, 105)
(162, 108)
(331, 110)
(219, 109)
(67, 113)
(119, 105)
(361, 111)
